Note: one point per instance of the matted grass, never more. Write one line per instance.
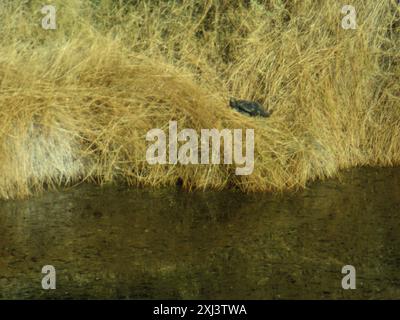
(76, 102)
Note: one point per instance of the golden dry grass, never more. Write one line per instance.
(76, 102)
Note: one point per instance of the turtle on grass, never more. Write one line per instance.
(250, 108)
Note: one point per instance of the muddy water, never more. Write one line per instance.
(144, 244)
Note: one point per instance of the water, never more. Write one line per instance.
(145, 244)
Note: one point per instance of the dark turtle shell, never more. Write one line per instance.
(250, 108)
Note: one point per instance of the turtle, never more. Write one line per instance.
(250, 108)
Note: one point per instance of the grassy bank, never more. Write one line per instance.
(76, 102)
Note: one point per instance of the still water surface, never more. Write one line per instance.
(145, 244)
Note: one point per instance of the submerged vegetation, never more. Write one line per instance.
(76, 102)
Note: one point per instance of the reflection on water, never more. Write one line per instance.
(140, 244)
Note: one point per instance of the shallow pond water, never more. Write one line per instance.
(146, 244)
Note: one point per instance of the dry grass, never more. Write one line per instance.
(76, 102)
